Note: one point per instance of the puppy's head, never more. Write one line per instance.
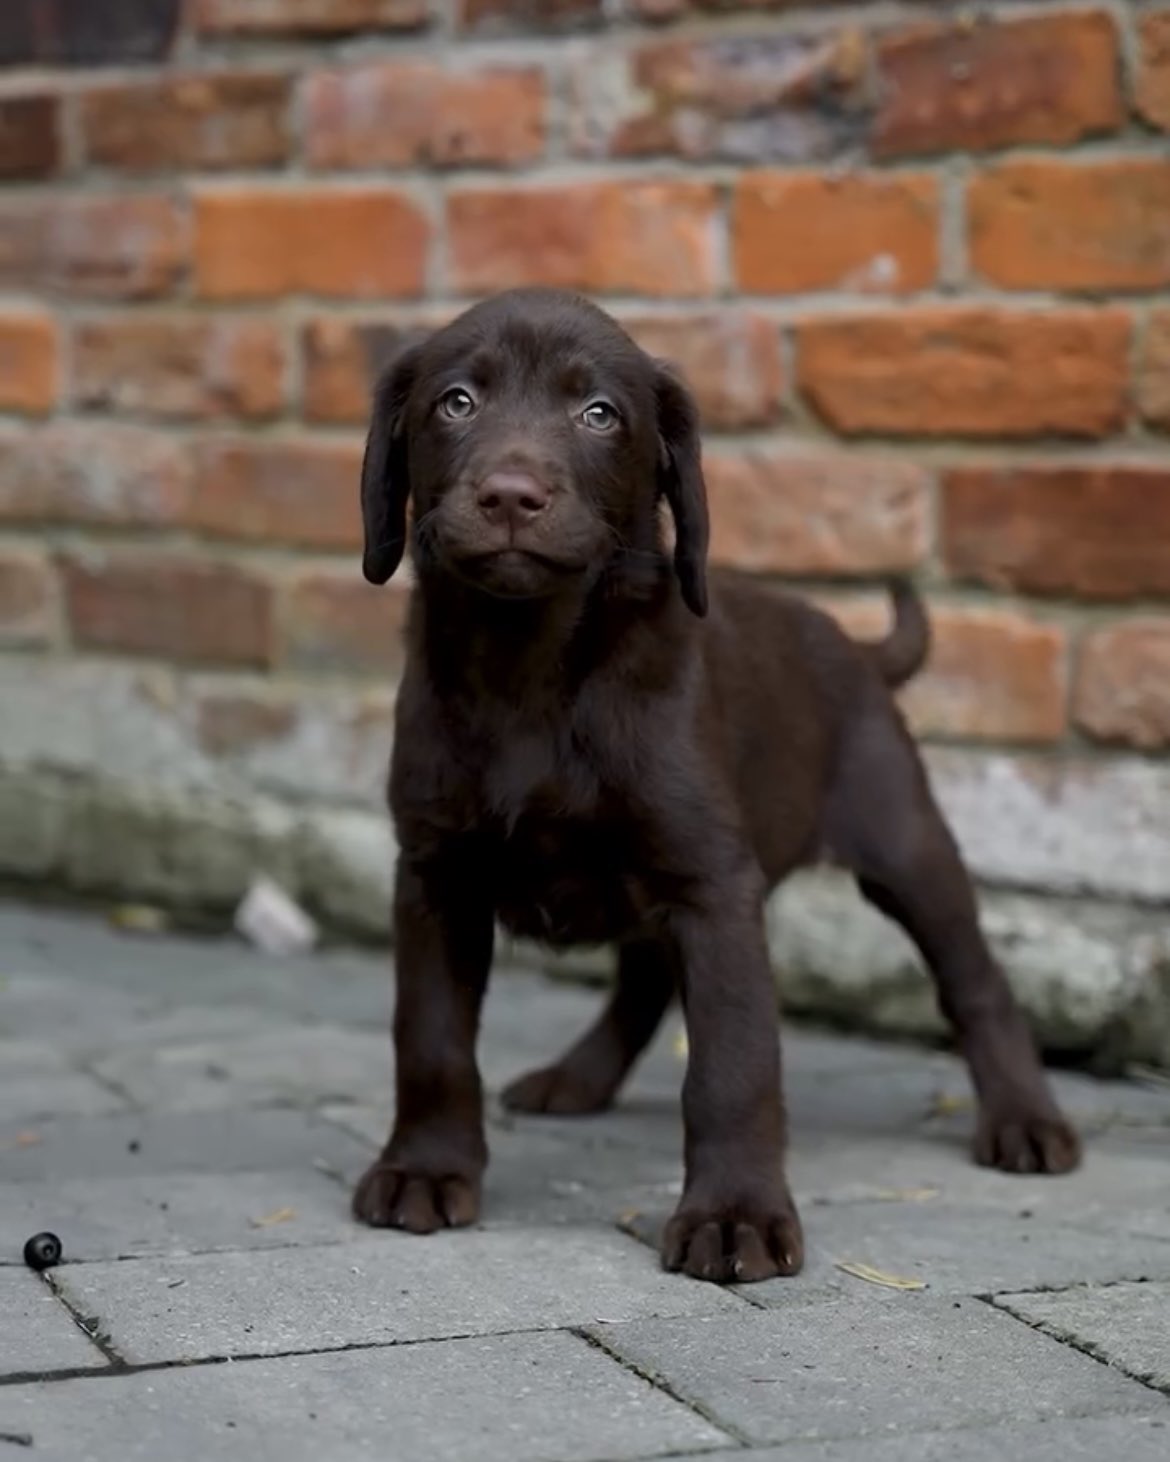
(536, 441)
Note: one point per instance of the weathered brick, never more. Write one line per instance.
(197, 121)
(359, 243)
(28, 599)
(751, 98)
(656, 238)
(297, 492)
(129, 246)
(1153, 382)
(24, 228)
(1123, 684)
(529, 14)
(829, 515)
(1153, 79)
(403, 113)
(1094, 531)
(169, 607)
(81, 472)
(341, 358)
(867, 232)
(992, 674)
(227, 722)
(28, 363)
(1048, 78)
(30, 136)
(335, 622)
(1065, 225)
(308, 17)
(180, 366)
(730, 360)
(969, 371)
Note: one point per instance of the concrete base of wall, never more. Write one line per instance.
(1094, 976)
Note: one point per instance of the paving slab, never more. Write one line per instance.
(848, 1368)
(214, 1141)
(271, 1062)
(377, 1289)
(1125, 1325)
(518, 1398)
(1086, 1439)
(537, 1175)
(1117, 1189)
(948, 1250)
(38, 1335)
(174, 1213)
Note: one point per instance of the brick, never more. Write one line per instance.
(341, 358)
(415, 113)
(1050, 79)
(1153, 383)
(180, 366)
(876, 234)
(1153, 78)
(529, 14)
(1123, 684)
(30, 136)
(731, 361)
(231, 722)
(992, 674)
(655, 238)
(752, 98)
(103, 474)
(1097, 532)
(28, 600)
(171, 608)
(359, 243)
(23, 236)
(335, 622)
(827, 515)
(1065, 225)
(28, 363)
(969, 372)
(308, 17)
(115, 247)
(197, 121)
(296, 492)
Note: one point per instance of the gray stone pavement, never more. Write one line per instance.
(188, 1116)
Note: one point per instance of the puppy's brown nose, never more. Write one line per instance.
(512, 498)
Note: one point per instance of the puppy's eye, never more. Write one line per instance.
(599, 416)
(458, 404)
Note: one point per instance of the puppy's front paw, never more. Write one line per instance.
(735, 1242)
(391, 1196)
(1026, 1142)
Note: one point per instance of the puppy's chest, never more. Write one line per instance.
(567, 880)
(569, 855)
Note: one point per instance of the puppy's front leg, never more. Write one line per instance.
(736, 1220)
(430, 1171)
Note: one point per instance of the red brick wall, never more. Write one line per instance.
(915, 259)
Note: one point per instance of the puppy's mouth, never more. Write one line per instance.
(512, 572)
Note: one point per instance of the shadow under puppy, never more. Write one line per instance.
(597, 741)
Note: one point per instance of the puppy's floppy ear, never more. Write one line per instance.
(680, 479)
(385, 472)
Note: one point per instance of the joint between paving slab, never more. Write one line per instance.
(88, 1325)
(659, 1383)
(1073, 1342)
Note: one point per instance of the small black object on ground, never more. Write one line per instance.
(42, 1251)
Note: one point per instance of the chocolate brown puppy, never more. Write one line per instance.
(598, 741)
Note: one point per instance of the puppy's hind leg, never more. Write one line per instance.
(588, 1075)
(886, 826)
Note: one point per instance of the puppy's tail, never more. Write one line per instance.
(903, 652)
